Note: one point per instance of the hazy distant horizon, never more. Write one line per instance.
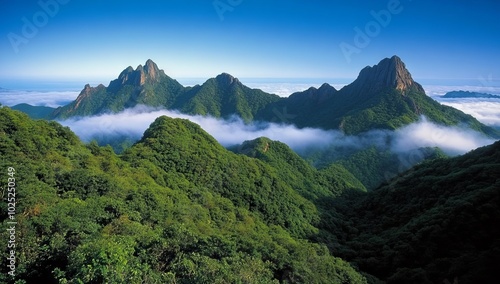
(476, 84)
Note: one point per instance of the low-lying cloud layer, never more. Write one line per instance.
(133, 122)
(485, 110)
(452, 140)
(35, 98)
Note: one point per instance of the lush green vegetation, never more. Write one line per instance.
(223, 96)
(378, 109)
(371, 165)
(306, 180)
(35, 112)
(175, 208)
(436, 223)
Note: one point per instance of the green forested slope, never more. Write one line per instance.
(175, 208)
(179, 208)
(437, 222)
(308, 181)
(35, 112)
(223, 96)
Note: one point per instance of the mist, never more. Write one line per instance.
(133, 122)
(36, 98)
(486, 110)
(453, 140)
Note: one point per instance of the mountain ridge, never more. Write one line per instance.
(468, 94)
(383, 96)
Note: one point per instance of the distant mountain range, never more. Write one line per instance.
(467, 94)
(383, 96)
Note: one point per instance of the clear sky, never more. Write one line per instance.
(89, 39)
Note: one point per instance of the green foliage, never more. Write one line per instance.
(435, 222)
(35, 112)
(223, 96)
(305, 179)
(175, 208)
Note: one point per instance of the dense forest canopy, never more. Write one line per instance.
(177, 207)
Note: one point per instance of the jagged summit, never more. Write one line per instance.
(388, 73)
(138, 77)
(151, 69)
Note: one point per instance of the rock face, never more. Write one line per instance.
(151, 69)
(389, 73)
(226, 79)
(86, 93)
(138, 77)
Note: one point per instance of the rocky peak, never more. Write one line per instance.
(125, 73)
(226, 79)
(388, 73)
(151, 69)
(139, 76)
(87, 88)
(86, 93)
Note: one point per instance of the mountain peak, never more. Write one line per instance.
(151, 69)
(226, 79)
(326, 88)
(389, 72)
(139, 76)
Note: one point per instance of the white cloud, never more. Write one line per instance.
(483, 109)
(133, 122)
(453, 140)
(50, 99)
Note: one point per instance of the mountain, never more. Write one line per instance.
(383, 96)
(176, 207)
(35, 112)
(436, 223)
(223, 96)
(311, 183)
(467, 94)
(146, 85)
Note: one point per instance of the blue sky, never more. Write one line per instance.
(95, 40)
